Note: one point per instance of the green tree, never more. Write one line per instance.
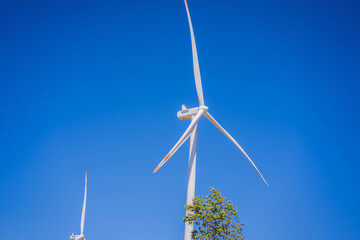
(214, 218)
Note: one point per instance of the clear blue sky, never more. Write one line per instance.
(95, 86)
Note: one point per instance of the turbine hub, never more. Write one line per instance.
(205, 108)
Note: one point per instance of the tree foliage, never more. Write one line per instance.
(214, 218)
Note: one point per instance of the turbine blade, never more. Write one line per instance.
(213, 121)
(83, 210)
(183, 138)
(195, 61)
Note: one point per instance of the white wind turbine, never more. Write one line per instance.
(81, 236)
(194, 114)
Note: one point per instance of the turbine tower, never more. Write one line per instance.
(81, 236)
(195, 114)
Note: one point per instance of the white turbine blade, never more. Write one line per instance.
(211, 119)
(83, 210)
(195, 61)
(181, 140)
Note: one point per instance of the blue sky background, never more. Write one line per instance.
(95, 86)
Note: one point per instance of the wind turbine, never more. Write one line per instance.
(195, 114)
(81, 236)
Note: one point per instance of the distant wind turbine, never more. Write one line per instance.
(194, 114)
(81, 236)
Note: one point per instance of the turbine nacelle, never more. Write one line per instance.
(77, 237)
(187, 113)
